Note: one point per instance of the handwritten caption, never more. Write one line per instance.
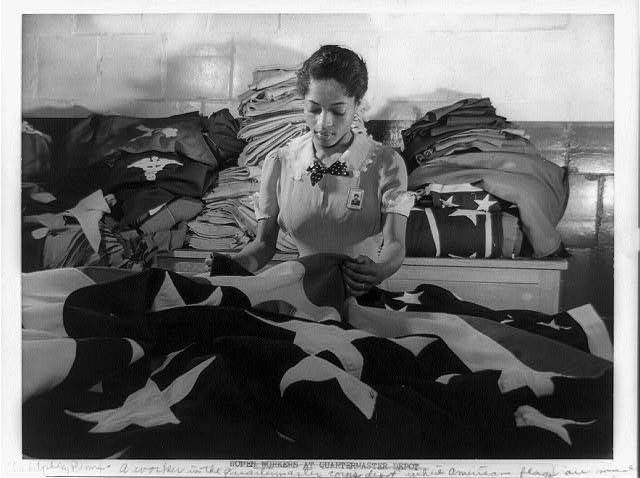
(302, 468)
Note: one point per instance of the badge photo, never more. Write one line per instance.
(355, 198)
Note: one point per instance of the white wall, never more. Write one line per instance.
(533, 67)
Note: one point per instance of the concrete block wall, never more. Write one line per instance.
(553, 73)
(534, 67)
(586, 148)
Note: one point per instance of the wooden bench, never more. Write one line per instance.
(495, 283)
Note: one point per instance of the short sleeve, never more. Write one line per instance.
(266, 204)
(393, 184)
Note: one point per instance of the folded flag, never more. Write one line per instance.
(457, 232)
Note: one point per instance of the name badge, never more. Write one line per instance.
(355, 198)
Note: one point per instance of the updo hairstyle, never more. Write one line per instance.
(334, 62)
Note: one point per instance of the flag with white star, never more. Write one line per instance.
(101, 137)
(156, 365)
(580, 327)
(480, 200)
(457, 232)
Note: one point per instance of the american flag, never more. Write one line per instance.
(157, 365)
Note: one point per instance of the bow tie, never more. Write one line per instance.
(317, 170)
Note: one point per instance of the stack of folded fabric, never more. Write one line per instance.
(271, 113)
(228, 221)
(468, 125)
(222, 225)
(482, 188)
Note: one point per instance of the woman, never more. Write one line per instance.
(334, 191)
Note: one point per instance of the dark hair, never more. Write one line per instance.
(334, 62)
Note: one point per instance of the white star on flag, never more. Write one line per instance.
(449, 202)
(414, 344)
(146, 407)
(167, 361)
(445, 379)
(553, 325)
(388, 307)
(527, 416)
(485, 204)
(315, 338)
(168, 296)
(472, 256)
(472, 214)
(149, 132)
(408, 298)
(319, 370)
(539, 382)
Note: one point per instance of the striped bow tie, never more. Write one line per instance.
(317, 170)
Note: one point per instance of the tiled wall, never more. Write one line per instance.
(553, 73)
(534, 67)
(587, 225)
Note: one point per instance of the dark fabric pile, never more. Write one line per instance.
(154, 171)
(144, 162)
(36, 153)
(473, 163)
(220, 130)
(469, 124)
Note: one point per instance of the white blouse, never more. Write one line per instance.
(318, 217)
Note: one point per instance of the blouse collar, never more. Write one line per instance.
(358, 156)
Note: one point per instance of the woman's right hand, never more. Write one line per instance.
(360, 274)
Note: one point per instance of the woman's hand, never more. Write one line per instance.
(360, 274)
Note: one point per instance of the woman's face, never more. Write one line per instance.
(328, 111)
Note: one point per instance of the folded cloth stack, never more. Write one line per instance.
(221, 227)
(484, 165)
(271, 112)
(234, 182)
(468, 125)
(228, 221)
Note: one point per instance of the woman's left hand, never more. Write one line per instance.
(360, 274)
